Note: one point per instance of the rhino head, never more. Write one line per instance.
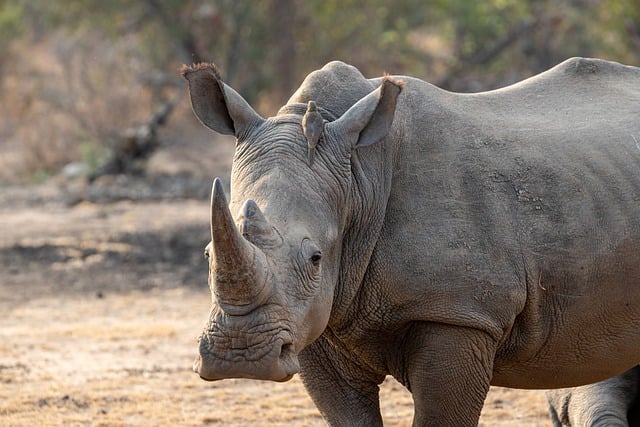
(275, 250)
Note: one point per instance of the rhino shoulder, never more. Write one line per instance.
(581, 67)
(590, 74)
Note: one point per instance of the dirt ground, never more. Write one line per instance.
(103, 293)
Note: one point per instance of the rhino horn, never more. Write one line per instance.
(239, 268)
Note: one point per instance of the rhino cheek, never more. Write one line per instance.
(314, 320)
(319, 320)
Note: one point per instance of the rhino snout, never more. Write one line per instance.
(274, 360)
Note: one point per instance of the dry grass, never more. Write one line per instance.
(125, 360)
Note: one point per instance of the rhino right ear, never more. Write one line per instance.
(369, 120)
(217, 105)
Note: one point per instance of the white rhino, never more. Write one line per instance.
(614, 402)
(453, 241)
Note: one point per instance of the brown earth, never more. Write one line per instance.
(103, 292)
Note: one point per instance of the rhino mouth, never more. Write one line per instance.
(275, 361)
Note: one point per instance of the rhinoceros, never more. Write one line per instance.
(453, 241)
(614, 402)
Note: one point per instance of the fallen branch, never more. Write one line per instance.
(135, 144)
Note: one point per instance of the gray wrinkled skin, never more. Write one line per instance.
(614, 402)
(454, 241)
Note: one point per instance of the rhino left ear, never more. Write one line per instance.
(217, 105)
(369, 120)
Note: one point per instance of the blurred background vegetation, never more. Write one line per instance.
(88, 80)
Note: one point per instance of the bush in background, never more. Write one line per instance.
(76, 74)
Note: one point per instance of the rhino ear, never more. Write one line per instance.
(369, 120)
(217, 105)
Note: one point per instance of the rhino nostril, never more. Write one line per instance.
(286, 349)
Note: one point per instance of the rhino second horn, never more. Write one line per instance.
(239, 267)
(255, 227)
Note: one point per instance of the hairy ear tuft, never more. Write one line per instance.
(185, 69)
(389, 81)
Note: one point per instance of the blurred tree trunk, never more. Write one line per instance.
(283, 13)
(189, 49)
(133, 146)
(633, 32)
(484, 55)
(240, 14)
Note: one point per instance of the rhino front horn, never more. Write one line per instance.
(239, 268)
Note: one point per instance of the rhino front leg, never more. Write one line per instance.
(345, 394)
(448, 371)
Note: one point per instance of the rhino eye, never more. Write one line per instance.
(311, 252)
(316, 258)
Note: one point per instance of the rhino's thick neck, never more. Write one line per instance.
(371, 178)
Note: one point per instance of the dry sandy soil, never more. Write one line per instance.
(102, 294)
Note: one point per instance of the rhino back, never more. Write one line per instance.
(517, 208)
